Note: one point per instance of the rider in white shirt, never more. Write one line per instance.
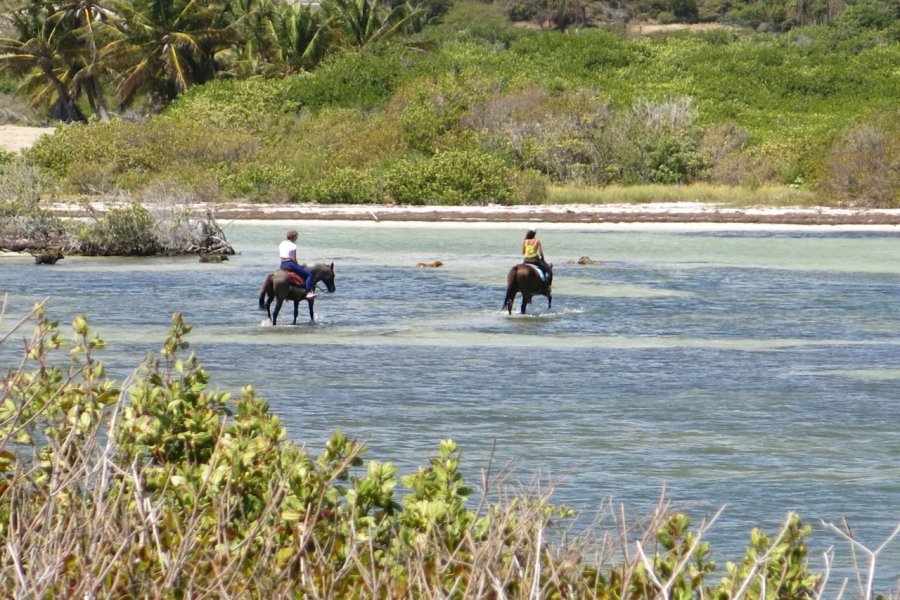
(287, 251)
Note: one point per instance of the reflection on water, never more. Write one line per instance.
(755, 370)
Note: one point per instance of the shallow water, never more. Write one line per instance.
(756, 369)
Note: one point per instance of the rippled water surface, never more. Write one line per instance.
(755, 369)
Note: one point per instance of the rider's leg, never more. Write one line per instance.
(308, 278)
(546, 273)
(305, 275)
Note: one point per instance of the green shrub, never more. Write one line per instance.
(247, 105)
(120, 155)
(341, 137)
(346, 186)
(266, 181)
(673, 158)
(432, 109)
(571, 136)
(473, 19)
(451, 177)
(869, 14)
(162, 224)
(120, 232)
(76, 145)
(529, 187)
(8, 85)
(864, 164)
(363, 80)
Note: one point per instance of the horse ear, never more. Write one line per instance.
(332, 266)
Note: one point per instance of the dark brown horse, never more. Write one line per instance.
(525, 279)
(277, 286)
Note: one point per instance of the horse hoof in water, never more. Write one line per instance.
(265, 323)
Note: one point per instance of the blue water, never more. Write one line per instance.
(755, 369)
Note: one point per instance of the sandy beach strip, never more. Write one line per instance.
(658, 213)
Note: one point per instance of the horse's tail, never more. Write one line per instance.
(512, 288)
(265, 290)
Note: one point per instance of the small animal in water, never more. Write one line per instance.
(48, 258)
(430, 265)
(587, 260)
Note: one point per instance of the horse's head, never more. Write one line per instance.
(325, 274)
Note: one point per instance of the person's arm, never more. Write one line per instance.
(540, 250)
(523, 248)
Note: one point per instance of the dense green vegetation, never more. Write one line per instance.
(432, 103)
(162, 487)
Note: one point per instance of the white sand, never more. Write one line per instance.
(15, 138)
(678, 216)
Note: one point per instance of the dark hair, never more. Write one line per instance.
(291, 233)
(530, 234)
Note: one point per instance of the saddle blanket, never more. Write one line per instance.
(294, 278)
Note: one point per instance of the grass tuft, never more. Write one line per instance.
(728, 196)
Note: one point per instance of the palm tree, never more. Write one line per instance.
(278, 37)
(48, 57)
(87, 19)
(303, 36)
(162, 47)
(362, 22)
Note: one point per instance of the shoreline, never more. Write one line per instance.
(577, 214)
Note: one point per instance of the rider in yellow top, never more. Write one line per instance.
(533, 254)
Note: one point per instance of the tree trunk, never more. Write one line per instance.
(64, 109)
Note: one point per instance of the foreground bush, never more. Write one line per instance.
(161, 487)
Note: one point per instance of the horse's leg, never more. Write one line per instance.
(296, 310)
(312, 313)
(269, 305)
(525, 299)
(549, 300)
(278, 302)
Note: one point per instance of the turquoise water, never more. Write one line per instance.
(755, 369)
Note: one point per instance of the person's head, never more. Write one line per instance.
(292, 235)
(530, 234)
